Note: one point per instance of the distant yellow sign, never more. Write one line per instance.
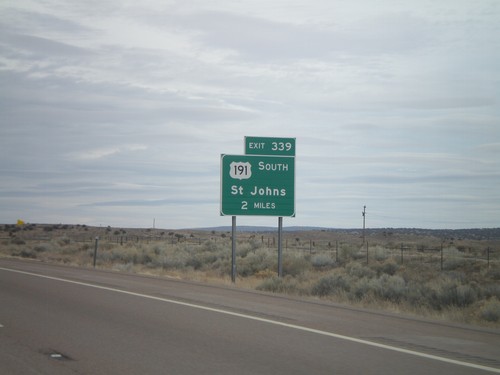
(20, 222)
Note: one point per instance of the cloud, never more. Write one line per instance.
(94, 154)
(490, 148)
(34, 47)
(261, 38)
(117, 112)
(39, 21)
(148, 203)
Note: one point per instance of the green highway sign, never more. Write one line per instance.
(257, 185)
(269, 146)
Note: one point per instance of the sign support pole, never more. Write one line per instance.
(259, 183)
(280, 246)
(233, 250)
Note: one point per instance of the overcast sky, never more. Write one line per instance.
(115, 112)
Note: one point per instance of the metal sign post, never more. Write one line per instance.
(280, 246)
(233, 250)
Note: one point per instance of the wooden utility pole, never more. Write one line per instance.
(364, 217)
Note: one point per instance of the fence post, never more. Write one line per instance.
(442, 256)
(337, 251)
(95, 249)
(401, 253)
(366, 252)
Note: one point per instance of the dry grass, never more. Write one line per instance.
(462, 288)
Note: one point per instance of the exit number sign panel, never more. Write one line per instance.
(269, 146)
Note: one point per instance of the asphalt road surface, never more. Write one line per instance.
(64, 320)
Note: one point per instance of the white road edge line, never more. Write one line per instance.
(269, 321)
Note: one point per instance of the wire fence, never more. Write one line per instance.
(445, 255)
(401, 253)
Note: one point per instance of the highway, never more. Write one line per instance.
(66, 320)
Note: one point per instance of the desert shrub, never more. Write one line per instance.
(491, 310)
(295, 265)
(26, 253)
(359, 289)
(43, 247)
(247, 246)
(157, 250)
(122, 255)
(85, 247)
(242, 250)
(359, 271)
(493, 274)
(389, 268)
(108, 252)
(254, 244)
(321, 261)
(276, 284)
(256, 262)
(465, 295)
(360, 254)
(17, 241)
(391, 288)
(418, 294)
(222, 266)
(347, 251)
(64, 241)
(203, 259)
(380, 253)
(331, 284)
(454, 263)
(456, 276)
(207, 257)
(128, 267)
(264, 274)
(177, 259)
(143, 258)
(110, 246)
(491, 290)
(449, 294)
(209, 246)
(69, 250)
